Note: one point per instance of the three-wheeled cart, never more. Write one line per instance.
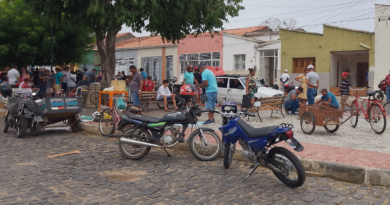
(61, 109)
(318, 115)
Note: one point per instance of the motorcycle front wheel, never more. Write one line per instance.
(21, 127)
(295, 175)
(228, 152)
(134, 151)
(205, 150)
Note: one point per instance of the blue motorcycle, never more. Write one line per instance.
(258, 146)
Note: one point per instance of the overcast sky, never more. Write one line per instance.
(309, 14)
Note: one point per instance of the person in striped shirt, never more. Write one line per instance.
(344, 90)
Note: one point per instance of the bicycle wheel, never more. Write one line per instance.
(308, 123)
(354, 113)
(377, 118)
(94, 97)
(107, 122)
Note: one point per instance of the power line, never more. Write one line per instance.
(382, 14)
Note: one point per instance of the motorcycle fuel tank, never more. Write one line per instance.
(175, 117)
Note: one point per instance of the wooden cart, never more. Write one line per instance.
(318, 115)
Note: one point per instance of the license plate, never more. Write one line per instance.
(295, 144)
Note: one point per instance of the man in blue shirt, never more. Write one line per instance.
(144, 75)
(189, 77)
(210, 83)
(328, 99)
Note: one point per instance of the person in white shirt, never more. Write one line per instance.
(284, 78)
(163, 94)
(71, 81)
(13, 76)
(65, 72)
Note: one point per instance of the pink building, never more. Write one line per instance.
(205, 49)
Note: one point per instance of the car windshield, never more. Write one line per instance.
(243, 80)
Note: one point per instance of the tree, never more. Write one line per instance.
(25, 37)
(172, 19)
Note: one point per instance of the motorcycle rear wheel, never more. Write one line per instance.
(227, 155)
(138, 151)
(21, 128)
(202, 151)
(292, 164)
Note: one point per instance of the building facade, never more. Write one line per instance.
(382, 42)
(335, 51)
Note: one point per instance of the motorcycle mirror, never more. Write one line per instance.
(257, 104)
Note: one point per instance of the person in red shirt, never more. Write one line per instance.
(387, 79)
(148, 84)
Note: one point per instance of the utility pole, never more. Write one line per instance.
(51, 45)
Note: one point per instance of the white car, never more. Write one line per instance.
(235, 87)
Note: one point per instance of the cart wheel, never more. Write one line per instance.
(76, 126)
(308, 123)
(332, 128)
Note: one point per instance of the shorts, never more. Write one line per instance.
(333, 106)
(344, 99)
(212, 98)
(57, 88)
(162, 98)
(135, 98)
(198, 91)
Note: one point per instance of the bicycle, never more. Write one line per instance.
(374, 112)
(110, 117)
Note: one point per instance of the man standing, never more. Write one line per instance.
(144, 75)
(42, 81)
(91, 75)
(344, 90)
(312, 84)
(4, 73)
(198, 91)
(124, 76)
(189, 77)
(13, 76)
(50, 81)
(118, 76)
(388, 87)
(328, 99)
(58, 83)
(136, 83)
(291, 102)
(65, 72)
(163, 94)
(210, 83)
(284, 78)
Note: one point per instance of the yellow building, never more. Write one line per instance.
(335, 51)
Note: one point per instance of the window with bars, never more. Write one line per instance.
(300, 64)
(239, 62)
(194, 59)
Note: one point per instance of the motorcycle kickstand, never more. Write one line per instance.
(167, 152)
(253, 170)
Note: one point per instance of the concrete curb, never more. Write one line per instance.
(337, 171)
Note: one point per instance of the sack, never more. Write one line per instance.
(120, 104)
(246, 101)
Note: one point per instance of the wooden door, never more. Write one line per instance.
(299, 64)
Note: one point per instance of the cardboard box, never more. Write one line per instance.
(1, 105)
(119, 85)
(3, 113)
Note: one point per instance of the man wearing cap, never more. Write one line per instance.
(328, 99)
(344, 90)
(291, 102)
(284, 78)
(210, 83)
(312, 81)
(388, 87)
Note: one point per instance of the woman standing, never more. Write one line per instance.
(251, 87)
(302, 78)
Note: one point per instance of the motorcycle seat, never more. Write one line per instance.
(377, 91)
(142, 118)
(252, 132)
(369, 93)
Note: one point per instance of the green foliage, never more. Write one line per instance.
(25, 37)
(172, 19)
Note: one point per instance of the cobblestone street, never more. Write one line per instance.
(100, 174)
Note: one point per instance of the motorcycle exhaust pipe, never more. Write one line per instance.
(136, 142)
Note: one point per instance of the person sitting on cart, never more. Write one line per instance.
(328, 99)
(291, 101)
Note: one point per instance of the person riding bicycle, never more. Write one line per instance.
(328, 99)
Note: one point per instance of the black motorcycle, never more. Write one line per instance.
(23, 114)
(145, 132)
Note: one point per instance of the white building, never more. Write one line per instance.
(382, 42)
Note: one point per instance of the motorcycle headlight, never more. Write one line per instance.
(227, 108)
